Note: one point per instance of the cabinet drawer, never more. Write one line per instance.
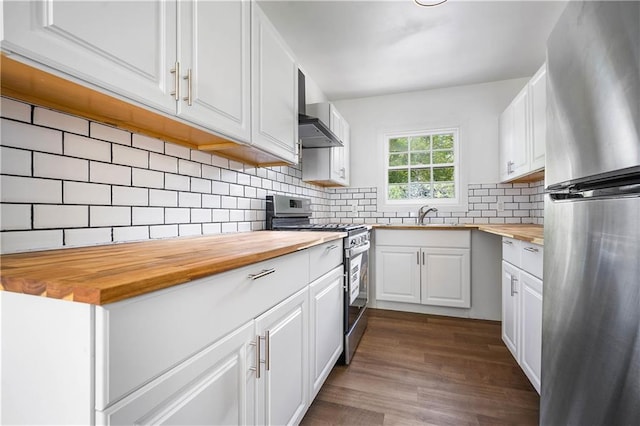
(324, 258)
(511, 251)
(424, 238)
(140, 338)
(531, 258)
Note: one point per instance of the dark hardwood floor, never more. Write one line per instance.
(414, 369)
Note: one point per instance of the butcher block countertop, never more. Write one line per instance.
(525, 232)
(106, 274)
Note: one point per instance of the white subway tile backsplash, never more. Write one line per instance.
(229, 227)
(86, 193)
(189, 168)
(236, 215)
(177, 150)
(27, 136)
(220, 188)
(30, 190)
(59, 216)
(15, 161)
(177, 215)
(147, 143)
(236, 190)
(15, 216)
(220, 215)
(219, 162)
(130, 156)
(189, 229)
(176, 182)
(200, 157)
(200, 185)
(162, 198)
(229, 176)
(15, 110)
(211, 201)
(147, 178)
(244, 179)
(210, 172)
(83, 147)
(58, 120)
(200, 215)
(163, 231)
(59, 167)
(87, 236)
(163, 163)
(109, 173)
(129, 196)
(211, 228)
(110, 134)
(131, 233)
(19, 241)
(109, 216)
(189, 199)
(148, 215)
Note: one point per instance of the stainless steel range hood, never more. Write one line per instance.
(312, 131)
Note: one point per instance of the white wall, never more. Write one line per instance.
(474, 108)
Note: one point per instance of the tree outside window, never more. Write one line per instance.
(422, 166)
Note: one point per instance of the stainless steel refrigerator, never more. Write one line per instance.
(591, 306)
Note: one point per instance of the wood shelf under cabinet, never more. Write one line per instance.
(33, 85)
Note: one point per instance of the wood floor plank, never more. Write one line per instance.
(414, 369)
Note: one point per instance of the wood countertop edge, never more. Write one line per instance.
(530, 232)
(71, 290)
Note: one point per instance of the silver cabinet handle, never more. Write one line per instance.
(176, 81)
(509, 169)
(514, 280)
(257, 357)
(532, 249)
(423, 258)
(507, 242)
(267, 350)
(262, 273)
(189, 79)
(331, 247)
(418, 257)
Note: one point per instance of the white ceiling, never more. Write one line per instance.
(355, 49)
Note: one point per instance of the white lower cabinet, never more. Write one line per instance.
(282, 395)
(427, 267)
(326, 339)
(522, 305)
(249, 346)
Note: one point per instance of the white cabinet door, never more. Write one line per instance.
(283, 390)
(127, 48)
(506, 143)
(398, 274)
(214, 46)
(340, 157)
(538, 104)
(215, 386)
(510, 307)
(326, 337)
(274, 92)
(445, 277)
(520, 140)
(531, 327)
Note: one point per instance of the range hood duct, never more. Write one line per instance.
(311, 130)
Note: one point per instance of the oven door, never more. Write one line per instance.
(357, 294)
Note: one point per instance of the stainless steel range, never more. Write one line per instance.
(286, 213)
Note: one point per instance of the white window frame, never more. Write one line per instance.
(458, 203)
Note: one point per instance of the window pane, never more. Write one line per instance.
(444, 190)
(421, 175)
(443, 174)
(398, 145)
(420, 158)
(440, 157)
(398, 159)
(443, 141)
(398, 176)
(420, 143)
(419, 190)
(397, 192)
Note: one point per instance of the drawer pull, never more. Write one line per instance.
(331, 247)
(262, 273)
(532, 249)
(514, 280)
(257, 367)
(267, 350)
(507, 242)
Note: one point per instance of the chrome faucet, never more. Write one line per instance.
(422, 213)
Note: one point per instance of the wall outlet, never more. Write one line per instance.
(500, 206)
(354, 207)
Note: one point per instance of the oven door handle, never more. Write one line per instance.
(353, 252)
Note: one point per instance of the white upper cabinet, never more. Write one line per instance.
(538, 103)
(328, 166)
(274, 97)
(214, 61)
(128, 48)
(522, 130)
